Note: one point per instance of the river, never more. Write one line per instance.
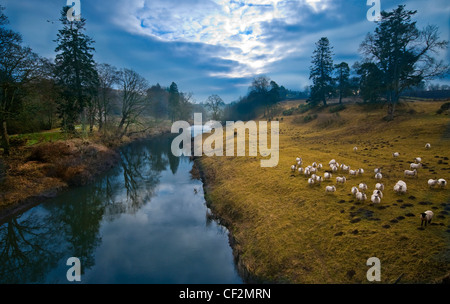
(144, 221)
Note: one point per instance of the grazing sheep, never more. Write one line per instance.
(377, 170)
(426, 217)
(341, 180)
(313, 170)
(311, 181)
(332, 162)
(293, 168)
(379, 186)
(314, 164)
(415, 166)
(375, 199)
(355, 190)
(378, 176)
(355, 149)
(395, 154)
(360, 196)
(334, 169)
(307, 172)
(418, 160)
(411, 173)
(432, 182)
(327, 175)
(319, 166)
(319, 179)
(360, 171)
(427, 146)
(330, 189)
(378, 192)
(345, 168)
(298, 159)
(442, 182)
(400, 187)
(300, 170)
(299, 163)
(363, 187)
(353, 172)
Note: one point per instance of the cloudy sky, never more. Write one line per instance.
(216, 46)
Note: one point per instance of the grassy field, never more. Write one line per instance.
(288, 231)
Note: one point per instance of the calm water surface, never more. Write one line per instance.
(145, 221)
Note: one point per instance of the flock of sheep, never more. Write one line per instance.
(312, 172)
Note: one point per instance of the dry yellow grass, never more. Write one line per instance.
(289, 231)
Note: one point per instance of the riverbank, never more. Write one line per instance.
(286, 231)
(38, 172)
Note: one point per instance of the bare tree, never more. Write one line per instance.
(215, 104)
(108, 77)
(134, 88)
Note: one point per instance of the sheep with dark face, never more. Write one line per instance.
(442, 182)
(426, 217)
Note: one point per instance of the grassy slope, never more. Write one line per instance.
(288, 231)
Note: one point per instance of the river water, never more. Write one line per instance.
(144, 221)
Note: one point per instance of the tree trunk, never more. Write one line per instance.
(5, 138)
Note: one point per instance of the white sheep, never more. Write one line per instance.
(378, 176)
(345, 168)
(427, 146)
(360, 171)
(432, 182)
(307, 172)
(415, 166)
(332, 162)
(377, 170)
(418, 160)
(363, 187)
(319, 166)
(411, 173)
(298, 159)
(360, 196)
(299, 163)
(318, 179)
(353, 172)
(355, 149)
(311, 181)
(300, 170)
(426, 217)
(334, 169)
(293, 167)
(375, 199)
(355, 190)
(313, 170)
(379, 186)
(314, 164)
(330, 189)
(400, 187)
(395, 154)
(442, 182)
(378, 192)
(327, 175)
(341, 180)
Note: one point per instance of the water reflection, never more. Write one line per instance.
(139, 223)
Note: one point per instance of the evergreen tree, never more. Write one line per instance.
(321, 72)
(75, 69)
(342, 78)
(174, 101)
(402, 53)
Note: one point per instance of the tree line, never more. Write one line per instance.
(72, 90)
(397, 57)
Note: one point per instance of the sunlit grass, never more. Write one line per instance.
(288, 231)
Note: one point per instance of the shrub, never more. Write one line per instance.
(337, 108)
(444, 107)
(304, 108)
(309, 118)
(288, 112)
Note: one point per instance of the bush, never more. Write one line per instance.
(304, 108)
(337, 108)
(444, 107)
(309, 118)
(288, 112)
